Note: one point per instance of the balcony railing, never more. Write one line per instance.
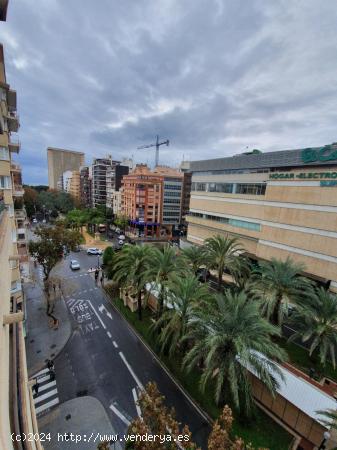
(13, 122)
(14, 145)
(18, 190)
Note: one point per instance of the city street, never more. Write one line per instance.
(105, 359)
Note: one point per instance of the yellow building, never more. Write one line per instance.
(278, 204)
(59, 161)
(17, 414)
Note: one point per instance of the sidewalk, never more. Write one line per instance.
(42, 341)
(85, 418)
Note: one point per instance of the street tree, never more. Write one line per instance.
(223, 253)
(121, 221)
(315, 322)
(229, 336)
(278, 283)
(195, 256)
(48, 249)
(130, 266)
(165, 265)
(184, 294)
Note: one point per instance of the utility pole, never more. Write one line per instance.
(157, 145)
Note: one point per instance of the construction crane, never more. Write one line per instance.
(157, 145)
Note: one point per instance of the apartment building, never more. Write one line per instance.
(152, 200)
(172, 197)
(17, 413)
(61, 160)
(99, 170)
(85, 186)
(142, 200)
(114, 175)
(278, 204)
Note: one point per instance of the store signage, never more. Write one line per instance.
(326, 153)
(302, 175)
(328, 183)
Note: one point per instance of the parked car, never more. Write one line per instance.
(203, 275)
(34, 220)
(120, 242)
(74, 264)
(117, 230)
(94, 251)
(121, 237)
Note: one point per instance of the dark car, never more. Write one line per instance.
(203, 275)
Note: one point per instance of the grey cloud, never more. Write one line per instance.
(212, 76)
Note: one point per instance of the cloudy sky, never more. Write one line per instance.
(213, 76)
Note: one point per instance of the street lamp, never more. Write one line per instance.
(326, 437)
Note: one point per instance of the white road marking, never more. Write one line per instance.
(41, 408)
(131, 371)
(44, 396)
(41, 372)
(42, 379)
(102, 308)
(47, 386)
(109, 334)
(139, 411)
(115, 344)
(91, 289)
(96, 314)
(120, 415)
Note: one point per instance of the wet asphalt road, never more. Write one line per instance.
(105, 359)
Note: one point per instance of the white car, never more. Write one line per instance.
(120, 242)
(74, 264)
(94, 251)
(121, 237)
(117, 230)
(34, 220)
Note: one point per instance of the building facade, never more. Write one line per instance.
(114, 175)
(17, 412)
(85, 187)
(152, 200)
(142, 200)
(99, 186)
(61, 160)
(172, 197)
(278, 204)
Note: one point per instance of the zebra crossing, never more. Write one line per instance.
(47, 394)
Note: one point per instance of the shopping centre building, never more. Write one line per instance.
(278, 204)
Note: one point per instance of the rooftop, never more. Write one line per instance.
(314, 156)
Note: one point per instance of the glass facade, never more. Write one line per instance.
(226, 220)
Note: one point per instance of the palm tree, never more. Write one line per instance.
(223, 253)
(277, 283)
(184, 294)
(330, 420)
(195, 257)
(130, 266)
(230, 337)
(165, 264)
(315, 321)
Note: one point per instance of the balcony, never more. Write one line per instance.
(13, 122)
(14, 145)
(15, 287)
(21, 235)
(15, 168)
(11, 100)
(20, 214)
(18, 190)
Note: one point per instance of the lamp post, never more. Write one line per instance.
(326, 437)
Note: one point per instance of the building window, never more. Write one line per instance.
(251, 189)
(4, 154)
(226, 188)
(226, 220)
(201, 187)
(5, 182)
